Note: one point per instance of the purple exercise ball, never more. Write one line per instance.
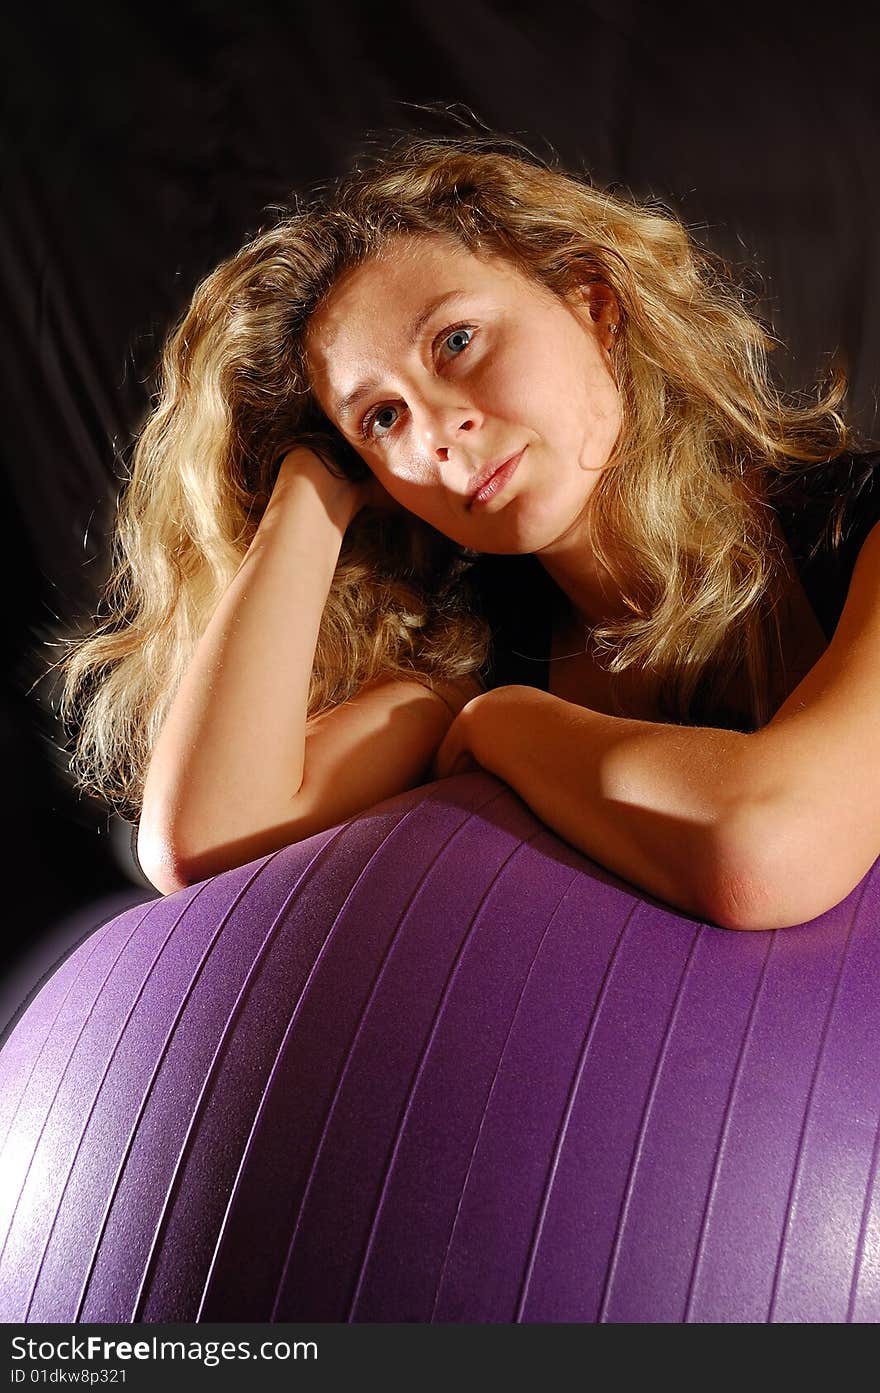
(436, 1065)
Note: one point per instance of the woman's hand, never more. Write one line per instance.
(455, 754)
(371, 494)
(343, 497)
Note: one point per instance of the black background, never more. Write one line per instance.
(142, 143)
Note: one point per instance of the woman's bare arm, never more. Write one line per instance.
(650, 801)
(234, 773)
(750, 831)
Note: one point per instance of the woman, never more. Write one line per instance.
(469, 464)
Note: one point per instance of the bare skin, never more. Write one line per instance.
(238, 769)
(506, 368)
(502, 365)
(530, 370)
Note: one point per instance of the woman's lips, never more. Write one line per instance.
(496, 483)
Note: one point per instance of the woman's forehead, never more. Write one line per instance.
(386, 303)
(407, 268)
(402, 279)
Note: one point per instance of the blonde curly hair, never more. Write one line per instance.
(681, 520)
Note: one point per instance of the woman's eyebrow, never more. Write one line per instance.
(363, 389)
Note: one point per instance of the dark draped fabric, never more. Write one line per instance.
(141, 144)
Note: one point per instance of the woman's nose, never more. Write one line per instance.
(442, 424)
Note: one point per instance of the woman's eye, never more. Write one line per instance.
(374, 419)
(459, 339)
(373, 427)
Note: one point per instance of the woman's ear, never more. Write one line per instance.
(599, 301)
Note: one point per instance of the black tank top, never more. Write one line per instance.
(520, 601)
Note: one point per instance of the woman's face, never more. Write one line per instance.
(437, 365)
